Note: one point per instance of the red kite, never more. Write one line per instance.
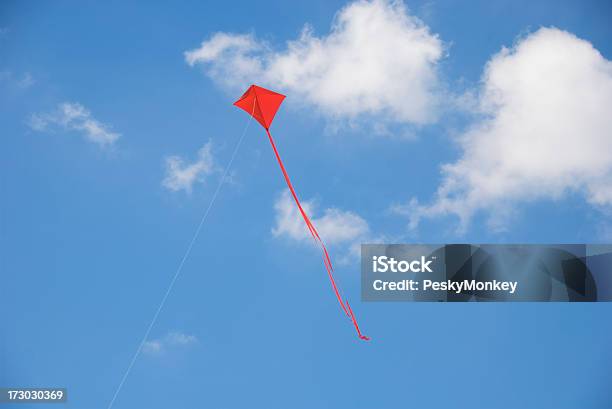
(262, 105)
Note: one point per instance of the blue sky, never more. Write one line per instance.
(104, 181)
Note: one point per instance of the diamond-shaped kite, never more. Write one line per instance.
(262, 104)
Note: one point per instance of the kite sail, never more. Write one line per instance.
(262, 105)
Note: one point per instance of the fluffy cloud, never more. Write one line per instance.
(336, 227)
(172, 340)
(377, 61)
(181, 175)
(74, 117)
(546, 131)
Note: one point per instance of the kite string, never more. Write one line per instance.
(181, 264)
(313, 231)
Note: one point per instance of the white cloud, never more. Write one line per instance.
(172, 340)
(546, 131)
(75, 117)
(26, 81)
(21, 82)
(152, 347)
(335, 226)
(181, 175)
(376, 61)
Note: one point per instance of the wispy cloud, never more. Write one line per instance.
(22, 82)
(26, 81)
(335, 225)
(182, 175)
(74, 117)
(546, 131)
(343, 229)
(171, 341)
(377, 61)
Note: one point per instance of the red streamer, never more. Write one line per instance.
(315, 235)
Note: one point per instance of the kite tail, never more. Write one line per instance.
(315, 235)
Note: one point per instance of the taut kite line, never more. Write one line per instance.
(262, 105)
